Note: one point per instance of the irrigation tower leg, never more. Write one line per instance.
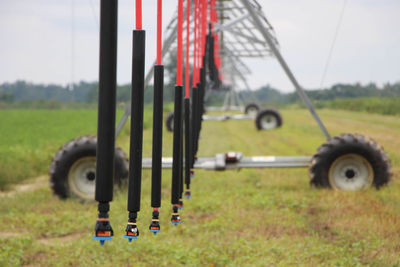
(282, 62)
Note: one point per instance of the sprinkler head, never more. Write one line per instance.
(188, 195)
(132, 232)
(155, 222)
(155, 226)
(103, 231)
(175, 219)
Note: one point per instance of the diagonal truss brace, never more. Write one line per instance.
(284, 65)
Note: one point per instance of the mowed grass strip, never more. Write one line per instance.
(258, 217)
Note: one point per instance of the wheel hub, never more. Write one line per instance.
(91, 176)
(82, 176)
(351, 172)
(269, 122)
(252, 112)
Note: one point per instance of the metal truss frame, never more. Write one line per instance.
(245, 33)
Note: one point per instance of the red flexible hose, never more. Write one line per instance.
(203, 47)
(179, 60)
(159, 32)
(216, 50)
(198, 42)
(187, 77)
(194, 78)
(200, 34)
(138, 14)
(216, 38)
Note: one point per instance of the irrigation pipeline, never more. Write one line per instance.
(176, 200)
(188, 116)
(157, 128)
(106, 118)
(136, 138)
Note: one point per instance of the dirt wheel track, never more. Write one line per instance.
(27, 186)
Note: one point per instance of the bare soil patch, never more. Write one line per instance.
(28, 186)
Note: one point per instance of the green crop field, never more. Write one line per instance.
(257, 217)
(29, 138)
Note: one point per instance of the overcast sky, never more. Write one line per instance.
(36, 42)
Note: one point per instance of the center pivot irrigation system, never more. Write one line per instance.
(88, 167)
(237, 38)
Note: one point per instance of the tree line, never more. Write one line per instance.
(87, 92)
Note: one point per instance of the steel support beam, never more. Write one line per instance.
(219, 162)
(218, 27)
(226, 117)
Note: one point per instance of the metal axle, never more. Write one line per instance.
(230, 161)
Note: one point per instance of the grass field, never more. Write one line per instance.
(268, 217)
(30, 138)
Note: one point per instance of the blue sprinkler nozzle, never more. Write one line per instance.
(102, 239)
(129, 237)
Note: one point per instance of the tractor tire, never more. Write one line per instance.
(350, 162)
(73, 170)
(268, 119)
(169, 122)
(252, 109)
